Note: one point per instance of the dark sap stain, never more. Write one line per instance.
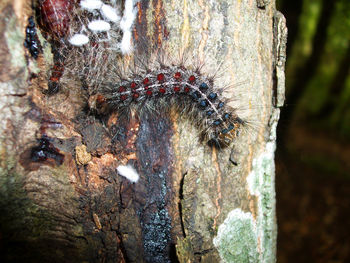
(46, 121)
(42, 154)
(155, 164)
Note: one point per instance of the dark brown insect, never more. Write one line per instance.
(55, 16)
(31, 41)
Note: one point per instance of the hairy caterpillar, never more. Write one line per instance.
(99, 36)
(188, 89)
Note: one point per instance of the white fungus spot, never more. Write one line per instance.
(128, 172)
(110, 13)
(126, 24)
(91, 4)
(78, 40)
(99, 26)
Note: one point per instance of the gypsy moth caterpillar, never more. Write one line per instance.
(158, 84)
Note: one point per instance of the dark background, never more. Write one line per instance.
(313, 156)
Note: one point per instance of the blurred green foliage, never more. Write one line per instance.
(318, 64)
(313, 159)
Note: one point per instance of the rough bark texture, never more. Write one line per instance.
(191, 202)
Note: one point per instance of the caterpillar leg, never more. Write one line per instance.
(233, 157)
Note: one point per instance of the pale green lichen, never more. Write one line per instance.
(237, 240)
(261, 183)
(241, 238)
(15, 39)
(47, 52)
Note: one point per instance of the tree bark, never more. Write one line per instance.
(191, 203)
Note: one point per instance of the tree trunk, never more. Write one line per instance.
(61, 197)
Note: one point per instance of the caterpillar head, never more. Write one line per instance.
(228, 133)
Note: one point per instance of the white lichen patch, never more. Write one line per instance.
(236, 239)
(261, 183)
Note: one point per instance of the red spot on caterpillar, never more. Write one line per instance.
(133, 85)
(123, 97)
(145, 81)
(94, 44)
(162, 90)
(122, 89)
(192, 78)
(160, 77)
(177, 75)
(135, 95)
(187, 89)
(176, 88)
(55, 16)
(149, 92)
